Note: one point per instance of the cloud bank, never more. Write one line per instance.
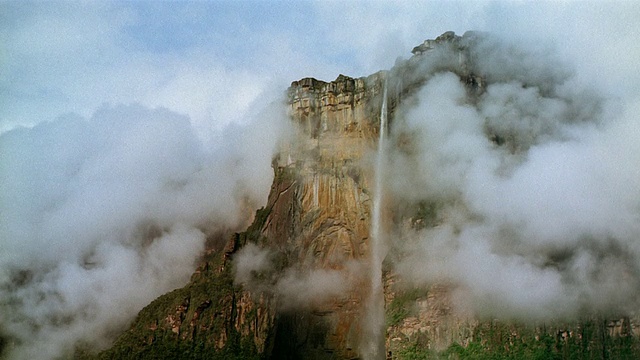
(102, 215)
(534, 185)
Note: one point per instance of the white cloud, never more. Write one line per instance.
(100, 216)
(545, 216)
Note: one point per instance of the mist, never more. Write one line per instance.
(295, 287)
(101, 215)
(534, 183)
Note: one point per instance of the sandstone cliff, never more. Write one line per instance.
(318, 218)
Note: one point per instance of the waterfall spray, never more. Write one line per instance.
(374, 342)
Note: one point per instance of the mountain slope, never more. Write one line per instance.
(295, 284)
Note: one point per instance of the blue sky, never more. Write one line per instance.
(211, 59)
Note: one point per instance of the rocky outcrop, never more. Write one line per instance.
(338, 129)
(208, 318)
(328, 208)
(318, 217)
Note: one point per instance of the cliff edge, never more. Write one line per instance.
(294, 284)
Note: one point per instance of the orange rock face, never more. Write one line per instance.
(322, 219)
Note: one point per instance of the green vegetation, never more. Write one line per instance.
(237, 348)
(589, 340)
(415, 352)
(403, 305)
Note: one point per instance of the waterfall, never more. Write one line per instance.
(374, 341)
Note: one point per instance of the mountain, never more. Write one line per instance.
(297, 284)
(316, 222)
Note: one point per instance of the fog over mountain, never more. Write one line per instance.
(105, 214)
(132, 133)
(534, 184)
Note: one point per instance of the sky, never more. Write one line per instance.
(130, 132)
(210, 59)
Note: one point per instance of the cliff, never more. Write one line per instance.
(317, 218)
(315, 228)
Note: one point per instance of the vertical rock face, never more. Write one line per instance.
(316, 225)
(316, 222)
(337, 129)
(329, 210)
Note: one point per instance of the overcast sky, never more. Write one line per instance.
(210, 59)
